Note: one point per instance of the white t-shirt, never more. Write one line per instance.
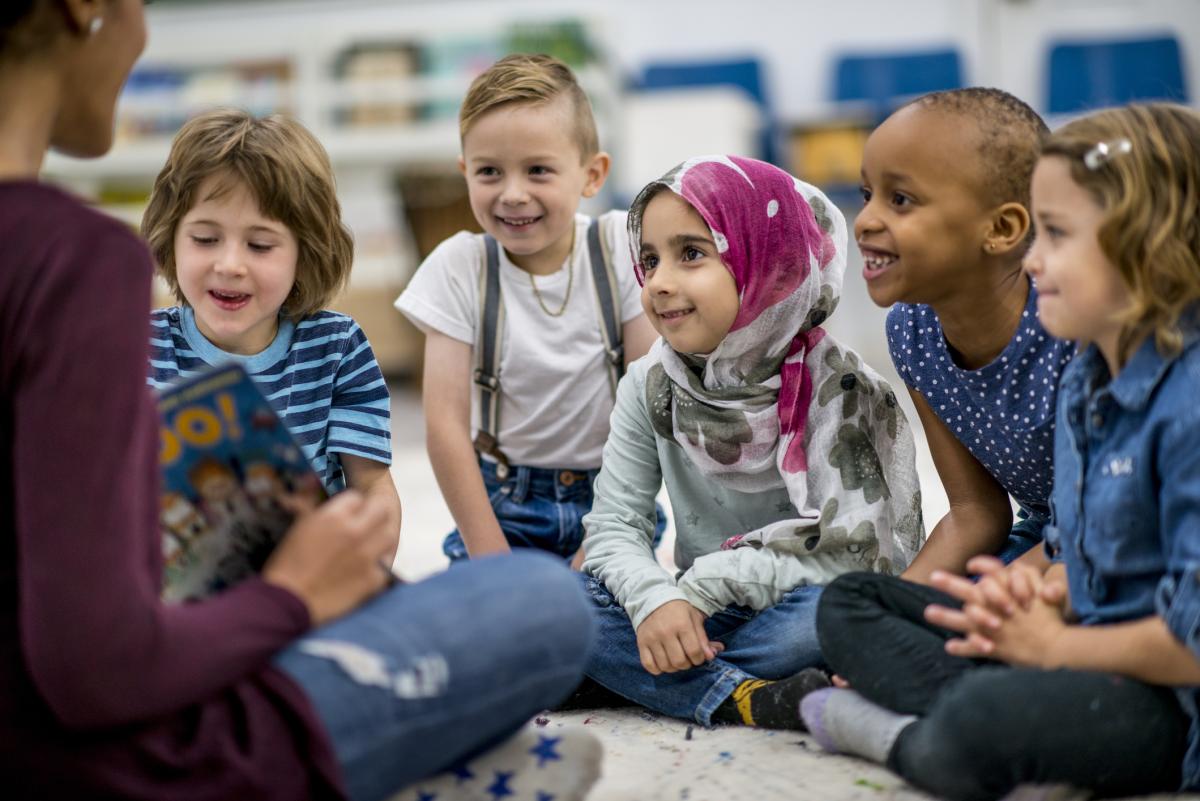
(555, 397)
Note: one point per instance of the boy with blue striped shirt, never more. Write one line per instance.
(246, 229)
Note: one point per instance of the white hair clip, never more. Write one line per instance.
(1104, 152)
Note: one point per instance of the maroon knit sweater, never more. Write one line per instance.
(105, 692)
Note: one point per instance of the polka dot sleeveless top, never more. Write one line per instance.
(1003, 412)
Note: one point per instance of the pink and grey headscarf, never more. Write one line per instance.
(779, 401)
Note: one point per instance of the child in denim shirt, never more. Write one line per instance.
(518, 391)
(1086, 674)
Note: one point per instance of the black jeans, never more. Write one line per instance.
(985, 727)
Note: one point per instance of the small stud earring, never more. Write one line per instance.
(95, 25)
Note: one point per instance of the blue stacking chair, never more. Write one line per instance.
(1093, 74)
(882, 82)
(745, 74)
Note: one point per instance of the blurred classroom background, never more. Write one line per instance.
(795, 82)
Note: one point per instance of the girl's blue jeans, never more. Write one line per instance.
(539, 507)
(430, 673)
(772, 644)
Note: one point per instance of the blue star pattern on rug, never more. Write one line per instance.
(499, 788)
(544, 750)
(532, 765)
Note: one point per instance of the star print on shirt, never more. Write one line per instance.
(545, 796)
(783, 506)
(692, 518)
(499, 788)
(463, 773)
(544, 750)
(423, 796)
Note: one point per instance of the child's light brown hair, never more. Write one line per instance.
(1150, 192)
(533, 79)
(287, 171)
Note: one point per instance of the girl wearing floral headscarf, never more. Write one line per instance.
(786, 459)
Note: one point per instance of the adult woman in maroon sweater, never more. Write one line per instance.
(104, 691)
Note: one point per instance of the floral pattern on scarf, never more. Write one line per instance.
(779, 402)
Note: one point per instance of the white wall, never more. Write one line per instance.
(1003, 42)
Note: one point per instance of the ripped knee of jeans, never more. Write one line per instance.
(425, 676)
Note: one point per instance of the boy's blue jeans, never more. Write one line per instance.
(538, 507)
(428, 674)
(772, 644)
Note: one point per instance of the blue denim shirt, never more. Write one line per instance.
(1126, 499)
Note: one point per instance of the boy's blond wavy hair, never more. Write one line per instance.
(287, 171)
(532, 79)
(1150, 195)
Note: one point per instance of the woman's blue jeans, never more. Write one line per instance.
(433, 672)
(772, 644)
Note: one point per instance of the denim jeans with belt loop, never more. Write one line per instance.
(539, 507)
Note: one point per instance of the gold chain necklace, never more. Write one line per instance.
(566, 297)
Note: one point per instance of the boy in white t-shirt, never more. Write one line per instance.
(529, 325)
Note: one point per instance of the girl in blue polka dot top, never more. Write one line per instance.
(943, 231)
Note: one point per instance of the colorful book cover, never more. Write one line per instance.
(227, 461)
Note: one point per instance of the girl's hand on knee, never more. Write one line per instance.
(331, 557)
(672, 638)
(985, 605)
(1020, 636)
(1019, 579)
(986, 601)
(1026, 638)
(1054, 589)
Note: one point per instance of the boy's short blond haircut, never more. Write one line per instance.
(1150, 195)
(533, 79)
(288, 173)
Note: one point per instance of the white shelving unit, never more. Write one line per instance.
(311, 39)
(299, 49)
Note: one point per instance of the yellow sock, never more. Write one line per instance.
(741, 697)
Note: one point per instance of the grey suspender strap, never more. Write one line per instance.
(487, 356)
(609, 301)
(491, 326)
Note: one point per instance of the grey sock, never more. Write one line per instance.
(844, 722)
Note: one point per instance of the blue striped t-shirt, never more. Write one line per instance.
(320, 376)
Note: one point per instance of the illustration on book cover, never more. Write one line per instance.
(227, 462)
